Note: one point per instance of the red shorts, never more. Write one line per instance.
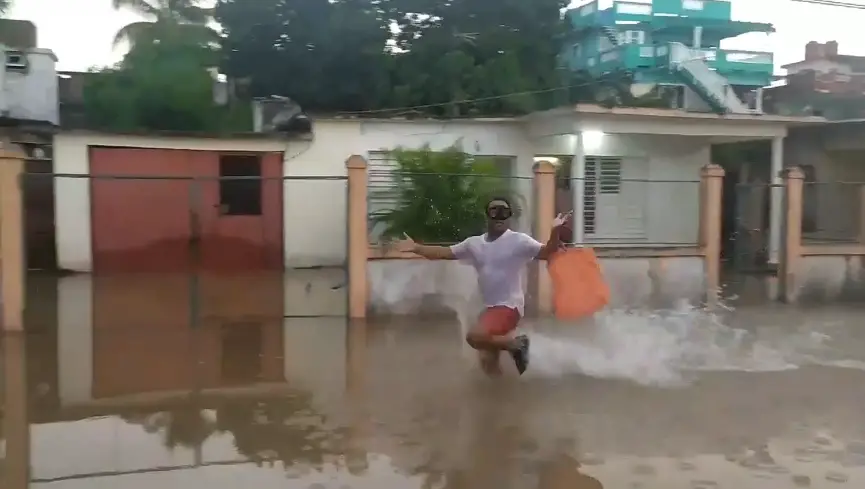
(499, 320)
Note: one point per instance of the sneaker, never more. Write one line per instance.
(520, 354)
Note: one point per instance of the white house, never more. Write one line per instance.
(646, 163)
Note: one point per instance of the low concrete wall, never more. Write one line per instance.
(408, 286)
(830, 278)
(654, 282)
(405, 286)
(316, 292)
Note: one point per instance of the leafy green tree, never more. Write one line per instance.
(166, 20)
(327, 55)
(482, 49)
(162, 86)
(441, 196)
(341, 55)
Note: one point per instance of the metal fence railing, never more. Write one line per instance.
(832, 212)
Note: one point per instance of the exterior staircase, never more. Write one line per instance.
(612, 34)
(712, 87)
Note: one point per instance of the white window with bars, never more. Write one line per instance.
(603, 178)
(382, 194)
(632, 37)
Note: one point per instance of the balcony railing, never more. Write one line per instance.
(753, 57)
(728, 60)
(630, 56)
(624, 56)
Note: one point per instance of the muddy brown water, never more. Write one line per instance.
(765, 397)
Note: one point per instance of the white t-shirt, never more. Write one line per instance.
(499, 265)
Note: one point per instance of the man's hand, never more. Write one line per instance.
(562, 219)
(405, 245)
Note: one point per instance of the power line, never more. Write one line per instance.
(475, 100)
(833, 3)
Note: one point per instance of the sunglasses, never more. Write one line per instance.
(499, 212)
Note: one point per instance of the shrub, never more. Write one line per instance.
(441, 196)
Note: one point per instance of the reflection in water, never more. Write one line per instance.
(563, 472)
(319, 403)
(242, 352)
(185, 426)
(16, 429)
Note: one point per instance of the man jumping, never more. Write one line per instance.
(498, 256)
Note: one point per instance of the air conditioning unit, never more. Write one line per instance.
(280, 114)
(16, 61)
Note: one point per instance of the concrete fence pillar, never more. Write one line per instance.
(12, 259)
(711, 197)
(545, 209)
(358, 242)
(791, 245)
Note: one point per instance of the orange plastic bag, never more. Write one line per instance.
(579, 288)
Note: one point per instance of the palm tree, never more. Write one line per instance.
(166, 19)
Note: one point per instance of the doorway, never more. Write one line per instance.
(729, 204)
(745, 206)
(241, 214)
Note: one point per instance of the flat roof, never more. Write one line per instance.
(856, 62)
(717, 27)
(264, 136)
(372, 117)
(681, 114)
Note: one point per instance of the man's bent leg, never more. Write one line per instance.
(489, 337)
(493, 327)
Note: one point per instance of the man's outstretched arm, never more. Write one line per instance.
(431, 252)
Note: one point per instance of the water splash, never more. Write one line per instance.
(665, 348)
(669, 348)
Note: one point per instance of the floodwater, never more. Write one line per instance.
(763, 397)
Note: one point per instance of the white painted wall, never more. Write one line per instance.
(31, 95)
(670, 169)
(408, 287)
(316, 210)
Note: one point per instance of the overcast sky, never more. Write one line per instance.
(80, 31)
